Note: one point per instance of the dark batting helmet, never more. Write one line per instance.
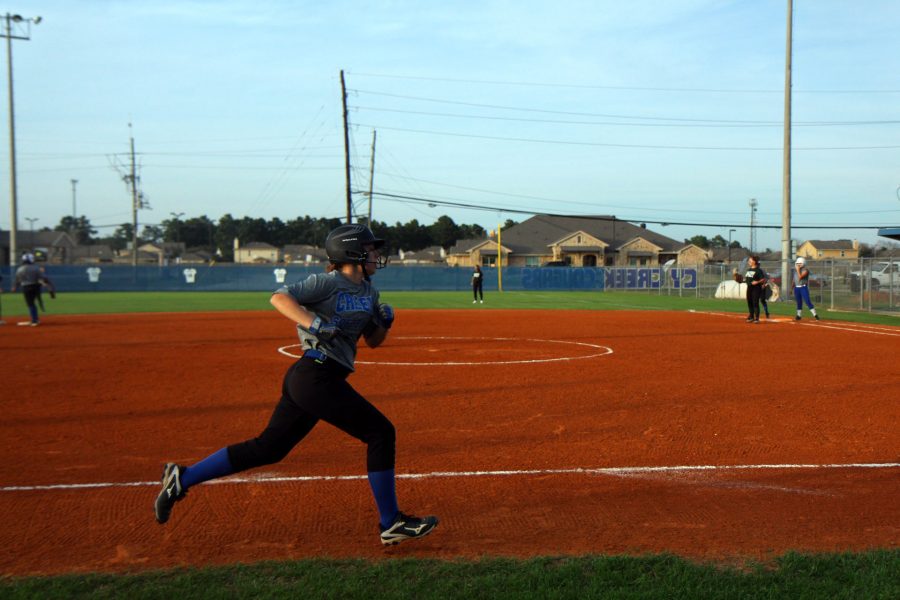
(345, 244)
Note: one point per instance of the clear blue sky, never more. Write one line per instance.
(658, 111)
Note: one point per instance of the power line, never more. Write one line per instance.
(717, 124)
(620, 87)
(437, 202)
(611, 145)
(596, 204)
(553, 112)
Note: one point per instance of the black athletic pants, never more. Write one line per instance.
(32, 293)
(754, 293)
(477, 289)
(311, 392)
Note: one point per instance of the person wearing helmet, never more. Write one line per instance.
(30, 277)
(801, 289)
(331, 311)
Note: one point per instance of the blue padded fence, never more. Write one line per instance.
(172, 278)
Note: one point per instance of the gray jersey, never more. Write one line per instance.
(28, 275)
(352, 307)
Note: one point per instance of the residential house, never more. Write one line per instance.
(829, 249)
(165, 252)
(303, 254)
(54, 246)
(727, 255)
(196, 256)
(256, 253)
(578, 242)
(93, 254)
(433, 255)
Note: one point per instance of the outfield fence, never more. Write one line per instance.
(864, 285)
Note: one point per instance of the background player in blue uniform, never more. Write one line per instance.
(332, 311)
(801, 289)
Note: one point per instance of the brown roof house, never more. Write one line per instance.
(578, 242)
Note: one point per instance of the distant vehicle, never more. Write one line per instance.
(815, 280)
(883, 274)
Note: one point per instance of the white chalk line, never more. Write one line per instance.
(811, 322)
(616, 471)
(606, 350)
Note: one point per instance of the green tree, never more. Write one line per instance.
(122, 236)
(152, 233)
(79, 228)
(198, 232)
(699, 240)
(444, 232)
(718, 242)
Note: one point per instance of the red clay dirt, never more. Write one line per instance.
(108, 399)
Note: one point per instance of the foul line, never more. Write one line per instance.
(444, 474)
(810, 322)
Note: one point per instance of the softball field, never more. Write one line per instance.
(529, 433)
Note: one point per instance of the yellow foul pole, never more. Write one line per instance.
(499, 262)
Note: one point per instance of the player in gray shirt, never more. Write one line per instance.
(332, 311)
(29, 276)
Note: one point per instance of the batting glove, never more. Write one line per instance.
(386, 313)
(323, 330)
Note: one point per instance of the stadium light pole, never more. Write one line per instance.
(13, 200)
(31, 221)
(176, 217)
(730, 231)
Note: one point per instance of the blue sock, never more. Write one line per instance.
(33, 311)
(213, 466)
(382, 484)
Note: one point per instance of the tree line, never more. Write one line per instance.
(217, 237)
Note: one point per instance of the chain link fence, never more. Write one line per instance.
(868, 284)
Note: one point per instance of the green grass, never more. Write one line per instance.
(127, 302)
(869, 575)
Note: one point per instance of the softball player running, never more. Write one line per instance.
(801, 289)
(332, 311)
(29, 276)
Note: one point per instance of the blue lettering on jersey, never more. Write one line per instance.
(349, 303)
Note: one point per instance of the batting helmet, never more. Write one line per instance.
(801, 261)
(345, 244)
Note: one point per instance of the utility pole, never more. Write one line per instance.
(13, 189)
(786, 182)
(371, 178)
(346, 149)
(134, 203)
(74, 210)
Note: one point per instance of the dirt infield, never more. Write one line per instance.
(528, 433)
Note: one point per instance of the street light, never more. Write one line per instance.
(74, 211)
(13, 210)
(730, 231)
(31, 221)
